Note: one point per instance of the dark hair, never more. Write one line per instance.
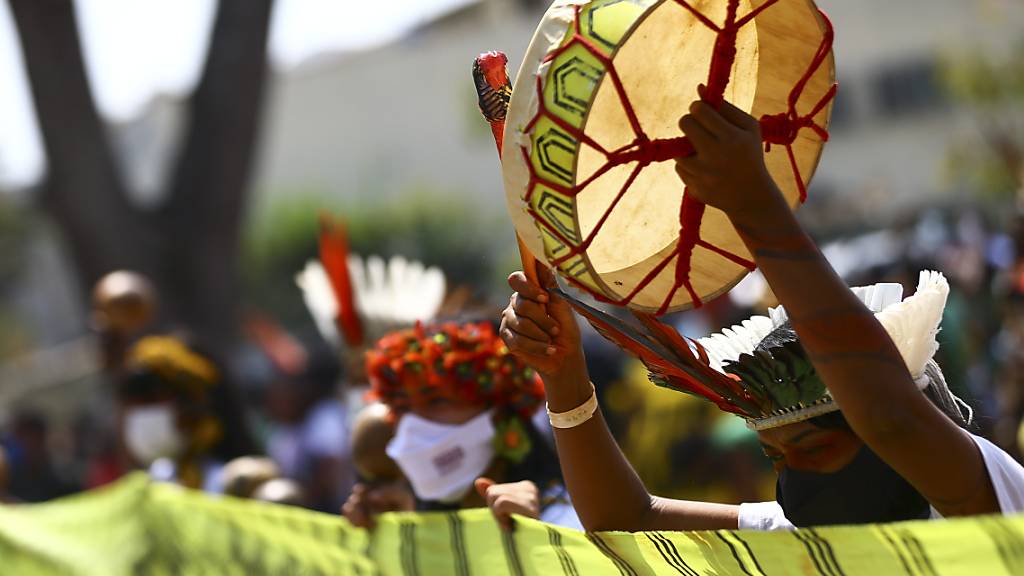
(221, 400)
(948, 406)
(323, 373)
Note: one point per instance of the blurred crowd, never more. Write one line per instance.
(313, 424)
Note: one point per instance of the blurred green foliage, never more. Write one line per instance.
(985, 82)
(993, 89)
(471, 242)
(17, 225)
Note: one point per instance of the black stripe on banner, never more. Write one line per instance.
(1013, 542)
(403, 548)
(753, 557)
(568, 566)
(664, 556)
(1008, 543)
(994, 534)
(458, 545)
(408, 549)
(815, 552)
(624, 568)
(515, 566)
(899, 551)
(675, 554)
(735, 553)
(829, 553)
(1013, 539)
(665, 548)
(917, 552)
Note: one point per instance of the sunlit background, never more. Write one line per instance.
(369, 113)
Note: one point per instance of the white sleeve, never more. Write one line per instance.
(1007, 476)
(763, 516)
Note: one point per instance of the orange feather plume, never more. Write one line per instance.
(334, 258)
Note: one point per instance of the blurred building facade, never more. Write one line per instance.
(892, 124)
(375, 123)
(380, 122)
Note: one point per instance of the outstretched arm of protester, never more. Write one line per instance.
(504, 500)
(849, 348)
(369, 501)
(606, 492)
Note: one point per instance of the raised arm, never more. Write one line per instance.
(849, 348)
(605, 490)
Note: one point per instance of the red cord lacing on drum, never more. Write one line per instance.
(779, 129)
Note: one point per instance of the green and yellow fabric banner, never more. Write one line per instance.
(137, 527)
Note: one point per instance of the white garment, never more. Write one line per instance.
(1007, 477)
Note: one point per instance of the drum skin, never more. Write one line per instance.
(604, 222)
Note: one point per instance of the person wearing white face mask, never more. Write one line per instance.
(175, 417)
(461, 409)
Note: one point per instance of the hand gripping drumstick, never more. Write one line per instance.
(494, 89)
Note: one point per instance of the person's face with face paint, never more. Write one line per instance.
(829, 476)
(806, 447)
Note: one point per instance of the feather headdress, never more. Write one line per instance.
(778, 385)
(466, 363)
(355, 301)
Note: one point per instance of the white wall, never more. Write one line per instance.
(376, 123)
(404, 115)
(904, 156)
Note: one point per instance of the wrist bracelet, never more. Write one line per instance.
(577, 415)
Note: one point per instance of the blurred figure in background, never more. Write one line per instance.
(373, 428)
(124, 305)
(283, 491)
(382, 487)
(310, 436)
(259, 478)
(5, 498)
(32, 475)
(243, 475)
(464, 435)
(178, 416)
(353, 301)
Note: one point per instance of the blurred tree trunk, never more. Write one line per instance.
(189, 244)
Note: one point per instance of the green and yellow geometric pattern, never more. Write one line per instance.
(568, 85)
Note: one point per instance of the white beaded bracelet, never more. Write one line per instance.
(577, 415)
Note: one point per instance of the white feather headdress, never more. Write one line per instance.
(387, 296)
(913, 325)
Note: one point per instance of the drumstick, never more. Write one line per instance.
(493, 90)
